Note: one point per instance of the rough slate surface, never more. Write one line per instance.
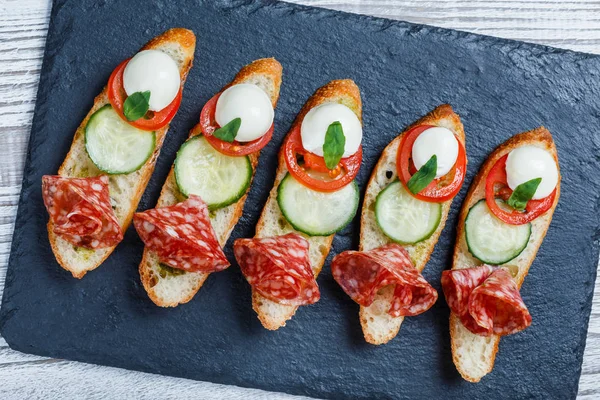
(498, 87)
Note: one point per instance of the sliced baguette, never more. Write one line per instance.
(127, 189)
(472, 354)
(272, 222)
(165, 288)
(378, 326)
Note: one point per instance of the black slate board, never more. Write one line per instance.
(498, 87)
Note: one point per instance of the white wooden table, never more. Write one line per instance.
(570, 24)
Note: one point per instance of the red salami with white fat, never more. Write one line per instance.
(278, 268)
(182, 236)
(80, 211)
(362, 273)
(486, 299)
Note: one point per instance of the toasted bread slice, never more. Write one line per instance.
(472, 354)
(168, 289)
(378, 326)
(272, 222)
(125, 190)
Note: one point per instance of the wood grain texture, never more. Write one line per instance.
(570, 24)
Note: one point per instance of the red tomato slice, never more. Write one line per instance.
(316, 163)
(343, 174)
(117, 96)
(439, 190)
(209, 125)
(496, 186)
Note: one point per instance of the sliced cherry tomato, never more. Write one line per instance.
(317, 163)
(209, 125)
(340, 176)
(117, 96)
(439, 190)
(496, 186)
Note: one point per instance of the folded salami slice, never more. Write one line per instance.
(278, 268)
(362, 273)
(486, 299)
(182, 236)
(81, 211)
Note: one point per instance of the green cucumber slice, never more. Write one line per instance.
(219, 179)
(114, 146)
(317, 213)
(404, 218)
(491, 240)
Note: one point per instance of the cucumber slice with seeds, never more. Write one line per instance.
(317, 213)
(219, 179)
(404, 218)
(491, 240)
(114, 146)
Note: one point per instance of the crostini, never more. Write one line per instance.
(406, 205)
(212, 173)
(92, 199)
(502, 224)
(313, 197)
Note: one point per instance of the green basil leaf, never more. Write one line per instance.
(229, 131)
(333, 148)
(136, 105)
(423, 177)
(523, 193)
(168, 270)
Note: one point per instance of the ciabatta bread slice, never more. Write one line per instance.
(272, 222)
(472, 354)
(125, 190)
(167, 287)
(378, 326)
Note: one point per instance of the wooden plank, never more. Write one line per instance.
(56, 379)
(571, 24)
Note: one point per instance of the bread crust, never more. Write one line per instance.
(264, 67)
(343, 91)
(462, 259)
(442, 115)
(269, 67)
(187, 40)
(184, 37)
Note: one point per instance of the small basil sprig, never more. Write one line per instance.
(333, 148)
(168, 270)
(136, 105)
(229, 131)
(423, 177)
(523, 193)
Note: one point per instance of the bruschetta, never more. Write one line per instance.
(401, 223)
(217, 164)
(502, 224)
(92, 199)
(314, 196)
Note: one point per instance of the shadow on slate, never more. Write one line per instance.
(499, 88)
